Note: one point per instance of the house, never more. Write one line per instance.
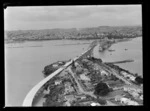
(57, 82)
(132, 78)
(134, 94)
(95, 104)
(124, 100)
(124, 73)
(128, 101)
(141, 97)
(84, 77)
(68, 88)
(132, 103)
(104, 73)
(55, 65)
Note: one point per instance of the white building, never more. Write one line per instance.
(127, 75)
(76, 64)
(55, 65)
(135, 94)
(129, 89)
(57, 82)
(124, 100)
(84, 77)
(128, 101)
(132, 103)
(141, 97)
(104, 73)
(132, 78)
(124, 73)
(95, 104)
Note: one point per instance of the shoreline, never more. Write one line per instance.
(89, 66)
(23, 41)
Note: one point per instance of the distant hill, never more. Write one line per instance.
(73, 33)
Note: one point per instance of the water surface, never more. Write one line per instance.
(123, 51)
(24, 63)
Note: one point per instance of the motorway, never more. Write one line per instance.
(30, 96)
(28, 101)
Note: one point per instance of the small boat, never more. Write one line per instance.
(111, 50)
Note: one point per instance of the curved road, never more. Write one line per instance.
(28, 101)
(30, 96)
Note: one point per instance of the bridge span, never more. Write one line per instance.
(28, 101)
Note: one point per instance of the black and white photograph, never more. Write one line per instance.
(73, 55)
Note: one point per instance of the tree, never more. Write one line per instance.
(101, 89)
(139, 80)
(50, 68)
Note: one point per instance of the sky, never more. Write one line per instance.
(49, 17)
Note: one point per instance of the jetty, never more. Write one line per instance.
(118, 62)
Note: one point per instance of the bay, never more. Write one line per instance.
(123, 51)
(24, 63)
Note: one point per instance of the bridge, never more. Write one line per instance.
(28, 101)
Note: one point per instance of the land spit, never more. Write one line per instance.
(107, 84)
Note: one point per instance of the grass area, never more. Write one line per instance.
(113, 94)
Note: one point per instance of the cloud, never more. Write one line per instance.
(46, 13)
(59, 15)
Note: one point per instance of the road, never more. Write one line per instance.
(85, 92)
(79, 85)
(114, 72)
(30, 96)
(105, 67)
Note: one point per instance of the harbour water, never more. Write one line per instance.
(129, 50)
(24, 62)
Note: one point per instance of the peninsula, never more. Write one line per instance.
(87, 81)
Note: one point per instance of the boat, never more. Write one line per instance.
(111, 50)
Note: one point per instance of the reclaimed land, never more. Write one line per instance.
(91, 81)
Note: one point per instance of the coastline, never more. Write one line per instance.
(110, 68)
(29, 40)
(89, 63)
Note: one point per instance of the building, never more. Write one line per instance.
(132, 78)
(132, 103)
(134, 94)
(104, 73)
(84, 77)
(57, 82)
(68, 88)
(128, 101)
(130, 89)
(126, 75)
(125, 101)
(141, 97)
(69, 99)
(95, 104)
